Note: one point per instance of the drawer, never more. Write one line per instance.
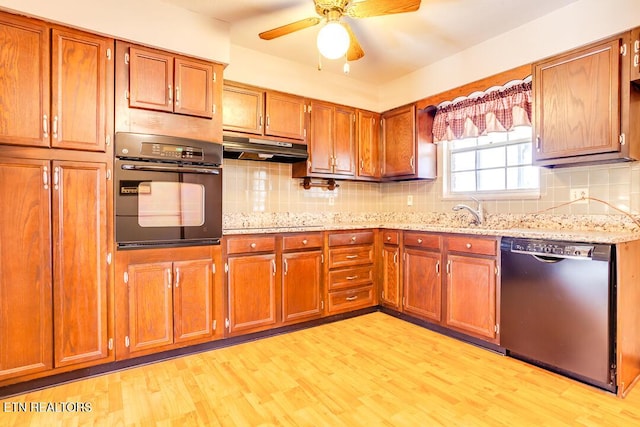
(350, 255)
(422, 240)
(350, 277)
(472, 245)
(355, 238)
(302, 241)
(250, 244)
(351, 299)
(390, 237)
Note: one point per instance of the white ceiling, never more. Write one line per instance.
(394, 45)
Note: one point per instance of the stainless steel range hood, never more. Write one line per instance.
(243, 148)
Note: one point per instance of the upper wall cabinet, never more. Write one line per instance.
(635, 54)
(163, 93)
(56, 86)
(368, 140)
(255, 111)
(407, 148)
(582, 106)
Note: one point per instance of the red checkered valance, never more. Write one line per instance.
(495, 111)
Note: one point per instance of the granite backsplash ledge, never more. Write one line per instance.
(596, 223)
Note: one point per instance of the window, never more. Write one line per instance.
(497, 165)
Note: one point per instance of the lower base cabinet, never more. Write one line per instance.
(167, 299)
(422, 277)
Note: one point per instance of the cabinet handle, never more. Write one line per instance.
(286, 267)
(170, 94)
(260, 123)
(351, 277)
(268, 121)
(351, 256)
(253, 245)
(305, 241)
(419, 241)
(438, 268)
(177, 277)
(353, 238)
(273, 266)
(177, 95)
(45, 126)
(55, 127)
(412, 162)
(538, 143)
(623, 50)
(448, 267)
(395, 257)
(169, 278)
(388, 238)
(45, 177)
(56, 177)
(636, 46)
(636, 60)
(353, 298)
(468, 245)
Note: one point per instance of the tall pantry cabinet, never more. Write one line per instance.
(55, 160)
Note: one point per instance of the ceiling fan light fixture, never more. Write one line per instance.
(333, 40)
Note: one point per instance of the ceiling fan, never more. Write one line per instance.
(336, 39)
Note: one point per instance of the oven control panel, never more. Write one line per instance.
(170, 151)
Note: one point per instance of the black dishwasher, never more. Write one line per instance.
(557, 307)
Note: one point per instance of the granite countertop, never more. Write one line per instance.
(605, 229)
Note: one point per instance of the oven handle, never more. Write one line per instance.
(182, 169)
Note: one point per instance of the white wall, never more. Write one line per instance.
(148, 22)
(574, 25)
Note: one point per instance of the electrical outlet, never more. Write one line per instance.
(579, 194)
(331, 201)
(409, 200)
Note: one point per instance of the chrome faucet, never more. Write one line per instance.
(478, 214)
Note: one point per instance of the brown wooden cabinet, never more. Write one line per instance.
(331, 142)
(302, 261)
(251, 110)
(368, 164)
(634, 55)
(66, 321)
(578, 106)
(407, 151)
(390, 284)
(168, 299)
(422, 281)
(163, 93)
(350, 271)
(57, 86)
(471, 286)
(252, 279)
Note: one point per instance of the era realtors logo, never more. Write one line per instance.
(46, 407)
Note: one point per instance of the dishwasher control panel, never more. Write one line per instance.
(546, 247)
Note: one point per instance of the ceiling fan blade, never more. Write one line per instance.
(355, 51)
(289, 28)
(368, 8)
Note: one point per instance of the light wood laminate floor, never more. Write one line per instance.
(373, 370)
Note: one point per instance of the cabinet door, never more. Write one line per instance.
(193, 299)
(390, 276)
(471, 295)
(399, 141)
(301, 279)
(80, 275)
(150, 80)
(422, 284)
(252, 292)
(321, 138)
(368, 139)
(25, 262)
(194, 88)
(242, 109)
(150, 305)
(635, 54)
(24, 85)
(285, 115)
(79, 83)
(577, 102)
(344, 141)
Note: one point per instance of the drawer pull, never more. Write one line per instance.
(305, 241)
(468, 245)
(253, 245)
(419, 241)
(353, 238)
(351, 256)
(352, 298)
(388, 238)
(351, 277)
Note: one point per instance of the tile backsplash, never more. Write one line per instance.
(251, 187)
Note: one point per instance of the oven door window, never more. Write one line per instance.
(170, 204)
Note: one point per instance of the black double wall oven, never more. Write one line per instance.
(168, 191)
